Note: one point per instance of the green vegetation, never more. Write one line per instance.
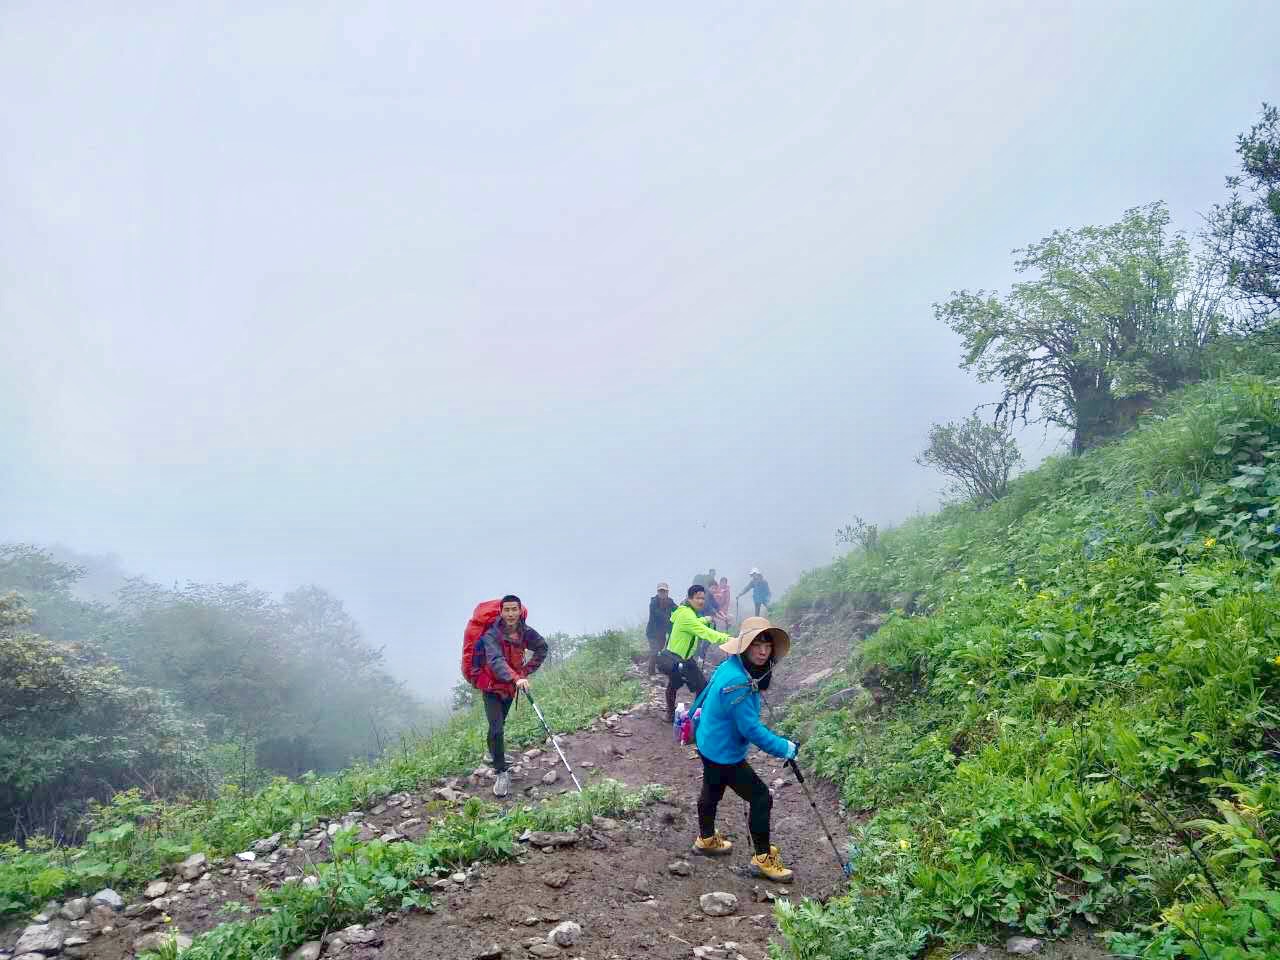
(133, 837)
(174, 690)
(1099, 656)
(363, 881)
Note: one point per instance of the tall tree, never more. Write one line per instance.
(1246, 229)
(1109, 317)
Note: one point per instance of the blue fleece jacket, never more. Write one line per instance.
(730, 719)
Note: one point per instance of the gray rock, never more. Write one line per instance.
(157, 939)
(555, 878)
(841, 697)
(524, 914)
(266, 845)
(157, 888)
(543, 949)
(75, 940)
(565, 934)
(308, 951)
(490, 951)
(712, 951)
(1024, 945)
(679, 868)
(718, 904)
(107, 897)
(458, 878)
(642, 886)
(551, 776)
(816, 678)
(543, 838)
(29, 956)
(75, 909)
(40, 938)
(193, 867)
(246, 856)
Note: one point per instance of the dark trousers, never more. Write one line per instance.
(743, 781)
(495, 711)
(686, 675)
(656, 646)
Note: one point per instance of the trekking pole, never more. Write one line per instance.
(845, 867)
(552, 737)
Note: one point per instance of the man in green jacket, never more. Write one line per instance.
(687, 628)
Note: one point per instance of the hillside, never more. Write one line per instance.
(1073, 724)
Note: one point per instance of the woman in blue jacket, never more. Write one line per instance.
(728, 725)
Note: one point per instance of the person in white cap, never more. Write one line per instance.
(661, 606)
(759, 588)
(726, 728)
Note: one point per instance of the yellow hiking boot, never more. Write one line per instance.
(713, 846)
(769, 865)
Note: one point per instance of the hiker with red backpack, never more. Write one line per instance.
(493, 660)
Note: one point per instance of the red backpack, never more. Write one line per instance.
(482, 618)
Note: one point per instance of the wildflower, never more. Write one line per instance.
(904, 845)
(1021, 583)
(166, 919)
(1276, 661)
(1209, 542)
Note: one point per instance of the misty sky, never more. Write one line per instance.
(425, 303)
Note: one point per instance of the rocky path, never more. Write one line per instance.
(614, 890)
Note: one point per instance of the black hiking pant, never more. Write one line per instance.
(495, 711)
(656, 646)
(685, 674)
(742, 780)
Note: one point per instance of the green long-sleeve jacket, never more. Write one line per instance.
(687, 628)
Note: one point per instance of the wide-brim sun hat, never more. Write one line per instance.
(753, 627)
(664, 586)
(754, 571)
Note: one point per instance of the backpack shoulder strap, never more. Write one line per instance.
(697, 701)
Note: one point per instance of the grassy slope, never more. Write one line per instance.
(1097, 650)
(136, 839)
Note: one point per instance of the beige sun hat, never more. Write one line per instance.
(753, 627)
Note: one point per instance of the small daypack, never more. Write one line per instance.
(482, 618)
(695, 709)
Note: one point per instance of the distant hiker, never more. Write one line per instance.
(504, 674)
(759, 588)
(688, 626)
(720, 593)
(726, 728)
(661, 606)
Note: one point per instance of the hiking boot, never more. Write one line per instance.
(502, 785)
(769, 865)
(713, 846)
